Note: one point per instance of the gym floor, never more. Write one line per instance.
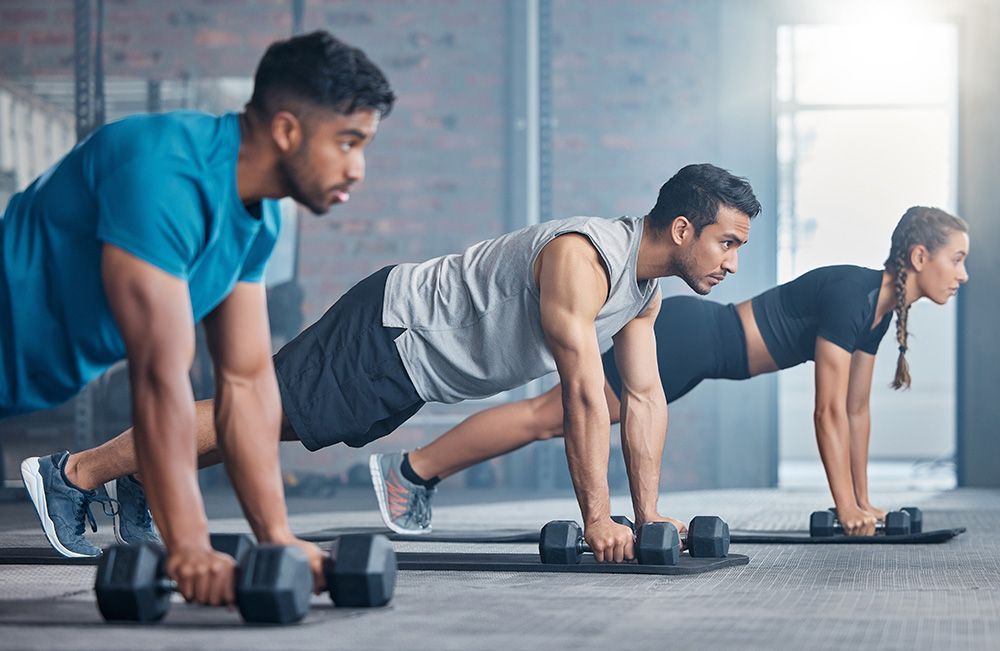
(943, 596)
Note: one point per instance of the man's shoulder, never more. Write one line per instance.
(178, 138)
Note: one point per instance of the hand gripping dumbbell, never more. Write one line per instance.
(562, 543)
(916, 517)
(707, 536)
(273, 584)
(361, 570)
(823, 524)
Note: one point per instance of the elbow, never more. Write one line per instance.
(828, 418)
(579, 395)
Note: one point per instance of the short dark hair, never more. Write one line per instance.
(696, 192)
(319, 69)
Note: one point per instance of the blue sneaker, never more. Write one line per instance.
(405, 506)
(133, 522)
(62, 508)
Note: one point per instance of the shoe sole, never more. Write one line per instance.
(378, 482)
(112, 489)
(32, 478)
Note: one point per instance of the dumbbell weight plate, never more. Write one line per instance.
(131, 584)
(361, 571)
(708, 537)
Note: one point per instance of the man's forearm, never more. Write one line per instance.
(164, 419)
(643, 431)
(587, 434)
(248, 421)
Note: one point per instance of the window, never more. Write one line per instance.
(867, 126)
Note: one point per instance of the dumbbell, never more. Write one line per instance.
(233, 544)
(273, 584)
(707, 536)
(360, 570)
(916, 518)
(823, 524)
(561, 543)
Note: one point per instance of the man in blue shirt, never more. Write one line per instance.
(146, 227)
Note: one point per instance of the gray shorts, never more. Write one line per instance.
(341, 379)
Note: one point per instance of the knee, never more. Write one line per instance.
(546, 417)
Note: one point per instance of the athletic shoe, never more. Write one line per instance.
(133, 521)
(405, 506)
(62, 508)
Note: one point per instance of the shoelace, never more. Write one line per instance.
(420, 507)
(108, 505)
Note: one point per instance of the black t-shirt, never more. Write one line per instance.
(836, 303)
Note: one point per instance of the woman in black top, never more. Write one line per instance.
(836, 316)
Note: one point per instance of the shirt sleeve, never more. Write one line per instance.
(843, 308)
(157, 217)
(255, 264)
(871, 344)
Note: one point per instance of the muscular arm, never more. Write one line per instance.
(833, 366)
(643, 411)
(153, 313)
(573, 287)
(859, 388)
(248, 408)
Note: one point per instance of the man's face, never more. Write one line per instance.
(704, 260)
(329, 159)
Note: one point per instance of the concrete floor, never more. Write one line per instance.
(789, 597)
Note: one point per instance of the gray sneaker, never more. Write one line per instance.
(405, 506)
(62, 508)
(133, 521)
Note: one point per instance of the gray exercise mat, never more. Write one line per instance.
(494, 562)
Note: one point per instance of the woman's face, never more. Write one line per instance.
(939, 275)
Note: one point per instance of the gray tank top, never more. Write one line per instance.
(473, 320)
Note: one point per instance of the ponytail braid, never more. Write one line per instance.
(899, 266)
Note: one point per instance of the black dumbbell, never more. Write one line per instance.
(824, 524)
(561, 542)
(361, 570)
(916, 518)
(273, 584)
(233, 544)
(707, 536)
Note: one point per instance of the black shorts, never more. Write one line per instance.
(341, 379)
(696, 340)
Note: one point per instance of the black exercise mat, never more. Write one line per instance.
(452, 561)
(747, 537)
(492, 562)
(41, 556)
(435, 535)
(803, 538)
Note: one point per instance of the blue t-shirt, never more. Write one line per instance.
(161, 187)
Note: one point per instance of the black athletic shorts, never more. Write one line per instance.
(696, 340)
(342, 380)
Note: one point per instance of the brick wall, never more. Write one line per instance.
(633, 101)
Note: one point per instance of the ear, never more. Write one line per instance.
(681, 229)
(286, 131)
(919, 255)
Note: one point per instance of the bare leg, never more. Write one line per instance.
(91, 468)
(496, 431)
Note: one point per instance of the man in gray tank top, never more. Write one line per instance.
(549, 297)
